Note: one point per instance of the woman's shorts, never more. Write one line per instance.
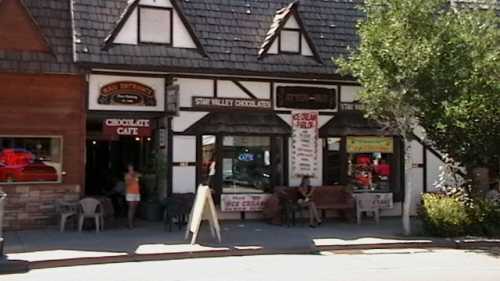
(131, 197)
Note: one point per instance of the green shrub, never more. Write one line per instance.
(444, 216)
(485, 217)
(448, 216)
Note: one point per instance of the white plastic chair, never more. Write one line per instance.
(65, 210)
(91, 208)
(366, 202)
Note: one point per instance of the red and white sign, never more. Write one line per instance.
(243, 202)
(127, 127)
(305, 143)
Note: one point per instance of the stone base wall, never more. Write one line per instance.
(33, 206)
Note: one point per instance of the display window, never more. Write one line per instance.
(246, 164)
(30, 159)
(369, 164)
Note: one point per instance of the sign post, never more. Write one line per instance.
(203, 209)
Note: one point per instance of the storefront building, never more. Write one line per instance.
(243, 96)
(42, 112)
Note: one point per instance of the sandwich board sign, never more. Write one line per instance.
(203, 209)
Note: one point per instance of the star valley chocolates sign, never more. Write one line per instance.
(127, 127)
(305, 143)
(232, 103)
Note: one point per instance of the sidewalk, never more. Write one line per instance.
(50, 248)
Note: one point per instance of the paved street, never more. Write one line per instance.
(404, 264)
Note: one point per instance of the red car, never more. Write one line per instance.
(18, 165)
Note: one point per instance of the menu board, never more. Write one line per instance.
(305, 143)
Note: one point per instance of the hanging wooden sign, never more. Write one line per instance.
(203, 209)
(306, 97)
(127, 93)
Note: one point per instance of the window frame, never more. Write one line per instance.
(281, 51)
(60, 175)
(171, 19)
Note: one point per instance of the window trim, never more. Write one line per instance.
(61, 175)
(281, 51)
(171, 11)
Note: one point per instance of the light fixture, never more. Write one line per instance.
(149, 139)
(138, 139)
(94, 142)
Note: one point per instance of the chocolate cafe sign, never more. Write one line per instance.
(231, 103)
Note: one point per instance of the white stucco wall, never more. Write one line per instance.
(261, 90)
(156, 3)
(184, 151)
(349, 93)
(227, 89)
(128, 33)
(189, 88)
(185, 120)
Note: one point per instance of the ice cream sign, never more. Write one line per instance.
(127, 127)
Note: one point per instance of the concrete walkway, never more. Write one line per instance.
(50, 248)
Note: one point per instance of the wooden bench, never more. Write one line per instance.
(335, 197)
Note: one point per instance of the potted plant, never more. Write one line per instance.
(151, 206)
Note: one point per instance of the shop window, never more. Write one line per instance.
(246, 164)
(370, 163)
(30, 159)
(155, 25)
(290, 41)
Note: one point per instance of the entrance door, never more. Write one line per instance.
(107, 161)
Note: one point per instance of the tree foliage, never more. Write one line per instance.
(436, 65)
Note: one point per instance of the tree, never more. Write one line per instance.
(413, 61)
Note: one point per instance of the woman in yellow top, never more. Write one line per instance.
(133, 193)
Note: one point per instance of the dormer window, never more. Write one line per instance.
(288, 35)
(290, 41)
(155, 25)
(158, 22)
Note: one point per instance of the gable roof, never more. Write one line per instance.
(231, 32)
(52, 18)
(18, 30)
(279, 21)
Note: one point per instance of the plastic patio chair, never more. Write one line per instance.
(91, 208)
(65, 210)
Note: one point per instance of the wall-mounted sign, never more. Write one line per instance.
(374, 200)
(350, 106)
(127, 127)
(370, 144)
(232, 103)
(305, 143)
(125, 93)
(243, 202)
(306, 97)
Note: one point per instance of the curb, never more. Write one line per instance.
(166, 256)
(10, 267)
